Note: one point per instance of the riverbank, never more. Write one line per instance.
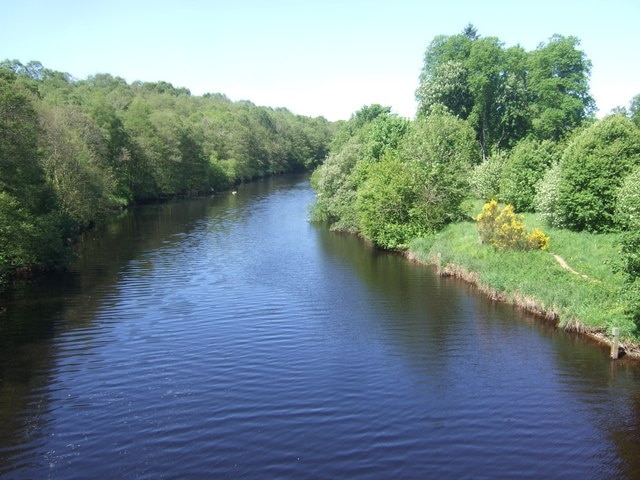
(585, 298)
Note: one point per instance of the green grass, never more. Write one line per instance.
(534, 279)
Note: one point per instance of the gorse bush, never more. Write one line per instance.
(506, 231)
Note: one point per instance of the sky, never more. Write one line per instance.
(316, 58)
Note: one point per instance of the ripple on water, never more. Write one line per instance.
(252, 344)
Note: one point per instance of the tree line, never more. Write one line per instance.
(493, 123)
(72, 151)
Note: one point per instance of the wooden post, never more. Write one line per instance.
(614, 344)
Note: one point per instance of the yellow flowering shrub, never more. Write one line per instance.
(505, 230)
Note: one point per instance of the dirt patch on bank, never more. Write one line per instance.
(566, 266)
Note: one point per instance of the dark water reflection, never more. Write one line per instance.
(229, 338)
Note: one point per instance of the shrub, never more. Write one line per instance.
(506, 231)
(485, 178)
(592, 168)
(525, 167)
(545, 202)
(385, 204)
(627, 212)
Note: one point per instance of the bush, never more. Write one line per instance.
(627, 212)
(386, 204)
(592, 168)
(525, 167)
(486, 177)
(506, 231)
(545, 202)
(336, 182)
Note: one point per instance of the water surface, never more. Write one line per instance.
(228, 337)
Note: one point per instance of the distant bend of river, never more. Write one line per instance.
(228, 337)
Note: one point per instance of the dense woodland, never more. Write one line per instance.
(73, 151)
(493, 122)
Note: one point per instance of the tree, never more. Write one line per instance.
(20, 172)
(486, 177)
(559, 83)
(336, 182)
(387, 203)
(486, 64)
(32, 233)
(448, 87)
(442, 150)
(592, 168)
(634, 110)
(627, 205)
(371, 135)
(417, 187)
(74, 159)
(71, 150)
(545, 201)
(506, 94)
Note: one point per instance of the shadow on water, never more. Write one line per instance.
(446, 317)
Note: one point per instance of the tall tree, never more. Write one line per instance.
(506, 94)
(634, 110)
(559, 83)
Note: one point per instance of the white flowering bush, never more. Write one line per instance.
(545, 200)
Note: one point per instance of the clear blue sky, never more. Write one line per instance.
(326, 58)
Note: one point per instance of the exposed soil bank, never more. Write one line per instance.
(629, 351)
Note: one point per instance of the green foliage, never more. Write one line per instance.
(634, 110)
(506, 94)
(526, 165)
(393, 180)
(387, 204)
(442, 150)
(71, 151)
(74, 160)
(21, 174)
(592, 168)
(486, 177)
(381, 135)
(627, 209)
(448, 87)
(418, 187)
(358, 120)
(559, 85)
(545, 201)
(628, 218)
(630, 252)
(336, 182)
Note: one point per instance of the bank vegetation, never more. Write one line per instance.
(505, 178)
(73, 151)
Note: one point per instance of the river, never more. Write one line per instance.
(228, 337)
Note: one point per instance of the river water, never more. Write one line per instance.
(228, 337)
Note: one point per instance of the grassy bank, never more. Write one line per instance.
(588, 300)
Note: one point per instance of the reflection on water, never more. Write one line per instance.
(228, 337)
